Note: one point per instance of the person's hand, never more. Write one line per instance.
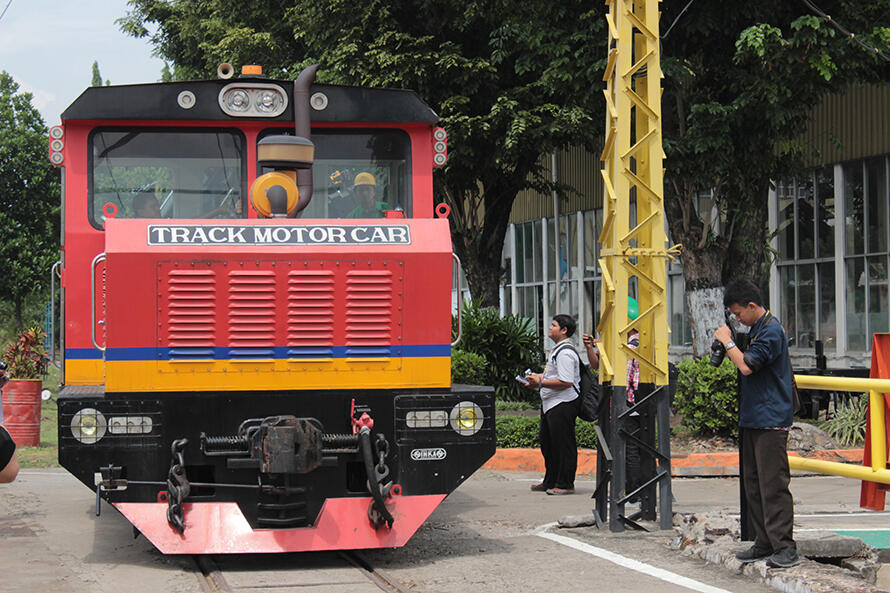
(589, 341)
(534, 379)
(723, 334)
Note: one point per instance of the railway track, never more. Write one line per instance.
(320, 572)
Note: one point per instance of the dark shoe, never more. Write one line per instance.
(753, 554)
(560, 491)
(542, 487)
(784, 558)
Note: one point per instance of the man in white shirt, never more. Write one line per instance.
(560, 384)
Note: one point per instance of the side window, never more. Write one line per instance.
(151, 173)
(359, 173)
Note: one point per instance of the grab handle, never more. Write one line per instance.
(460, 301)
(96, 260)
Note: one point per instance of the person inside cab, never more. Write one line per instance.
(365, 190)
(145, 205)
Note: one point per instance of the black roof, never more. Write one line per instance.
(158, 101)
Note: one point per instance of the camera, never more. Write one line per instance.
(718, 351)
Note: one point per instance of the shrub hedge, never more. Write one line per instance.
(508, 344)
(707, 396)
(522, 431)
(469, 368)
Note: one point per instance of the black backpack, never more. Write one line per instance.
(589, 393)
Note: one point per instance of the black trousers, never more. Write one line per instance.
(766, 476)
(557, 436)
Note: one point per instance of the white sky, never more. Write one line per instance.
(49, 46)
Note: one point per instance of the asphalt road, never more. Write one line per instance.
(490, 535)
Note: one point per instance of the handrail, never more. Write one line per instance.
(96, 260)
(460, 301)
(876, 388)
(842, 383)
(53, 271)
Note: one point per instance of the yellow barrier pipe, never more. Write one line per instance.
(857, 472)
(878, 434)
(842, 383)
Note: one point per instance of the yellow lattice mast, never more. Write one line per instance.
(633, 246)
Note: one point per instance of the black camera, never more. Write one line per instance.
(718, 351)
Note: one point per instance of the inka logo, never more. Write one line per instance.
(437, 454)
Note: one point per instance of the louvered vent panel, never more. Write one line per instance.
(310, 313)
(369, 313)
(190, 313)
(251, 314)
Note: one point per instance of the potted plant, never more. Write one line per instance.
(26, 361)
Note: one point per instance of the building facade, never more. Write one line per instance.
(830, 232)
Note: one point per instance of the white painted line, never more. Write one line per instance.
(629, 563)
(849, 514)
(866, 529)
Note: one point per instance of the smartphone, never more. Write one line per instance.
(521, 379)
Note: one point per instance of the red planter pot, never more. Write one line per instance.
(21, 410)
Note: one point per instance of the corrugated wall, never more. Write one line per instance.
(851, 125)
(575, 167)
(843, 127)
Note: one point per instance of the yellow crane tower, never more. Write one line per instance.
(633, 243)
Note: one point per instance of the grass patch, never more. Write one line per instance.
(47, 454)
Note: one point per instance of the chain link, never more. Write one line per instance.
(178, 486)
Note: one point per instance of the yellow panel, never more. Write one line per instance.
(265, 375)
(84, 372)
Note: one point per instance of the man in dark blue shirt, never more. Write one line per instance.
(766, 412)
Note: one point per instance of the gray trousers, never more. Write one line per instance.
(766, 477)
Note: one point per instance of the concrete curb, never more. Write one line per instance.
(718, 463)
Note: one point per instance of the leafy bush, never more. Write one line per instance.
(522, 431)
(26, 356)
(707, 396)
(468, 368)
(847, 426)
(509, 345)
(505, 406)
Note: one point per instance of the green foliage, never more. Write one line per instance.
(25, 355)
(707, 396)
(97, 77)
(847, 425)
(511, 82)
(521, 431)
(29, 198)
(468, 368)
(511, 406)
(508, 344)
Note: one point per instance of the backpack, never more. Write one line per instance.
(589, 392)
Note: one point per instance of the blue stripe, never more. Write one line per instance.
(279, 352)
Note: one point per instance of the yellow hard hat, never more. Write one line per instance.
(365, 179)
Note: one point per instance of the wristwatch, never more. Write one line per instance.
(730, 344)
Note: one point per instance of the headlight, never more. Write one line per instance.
(252, 99)
(129, 425)
(466, 418)
(426, 419)
(88, 426)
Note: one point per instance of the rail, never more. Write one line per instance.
(96, 260)
(876, 470)
(460, 301)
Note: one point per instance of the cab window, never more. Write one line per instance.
(358, 173)
(153, 173)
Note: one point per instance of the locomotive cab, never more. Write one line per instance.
(238, 380)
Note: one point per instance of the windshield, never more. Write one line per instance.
(358, 173)
(166, 174)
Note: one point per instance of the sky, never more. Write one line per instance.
(49, 46)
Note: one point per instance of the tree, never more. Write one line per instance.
(510, 81)
(97, 77)
(29, 198)
(740, 81)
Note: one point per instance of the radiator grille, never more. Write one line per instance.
(251, 322)
(191, 313)
(369, 313)
(310, 313)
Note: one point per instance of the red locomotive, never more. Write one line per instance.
(257, 314)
